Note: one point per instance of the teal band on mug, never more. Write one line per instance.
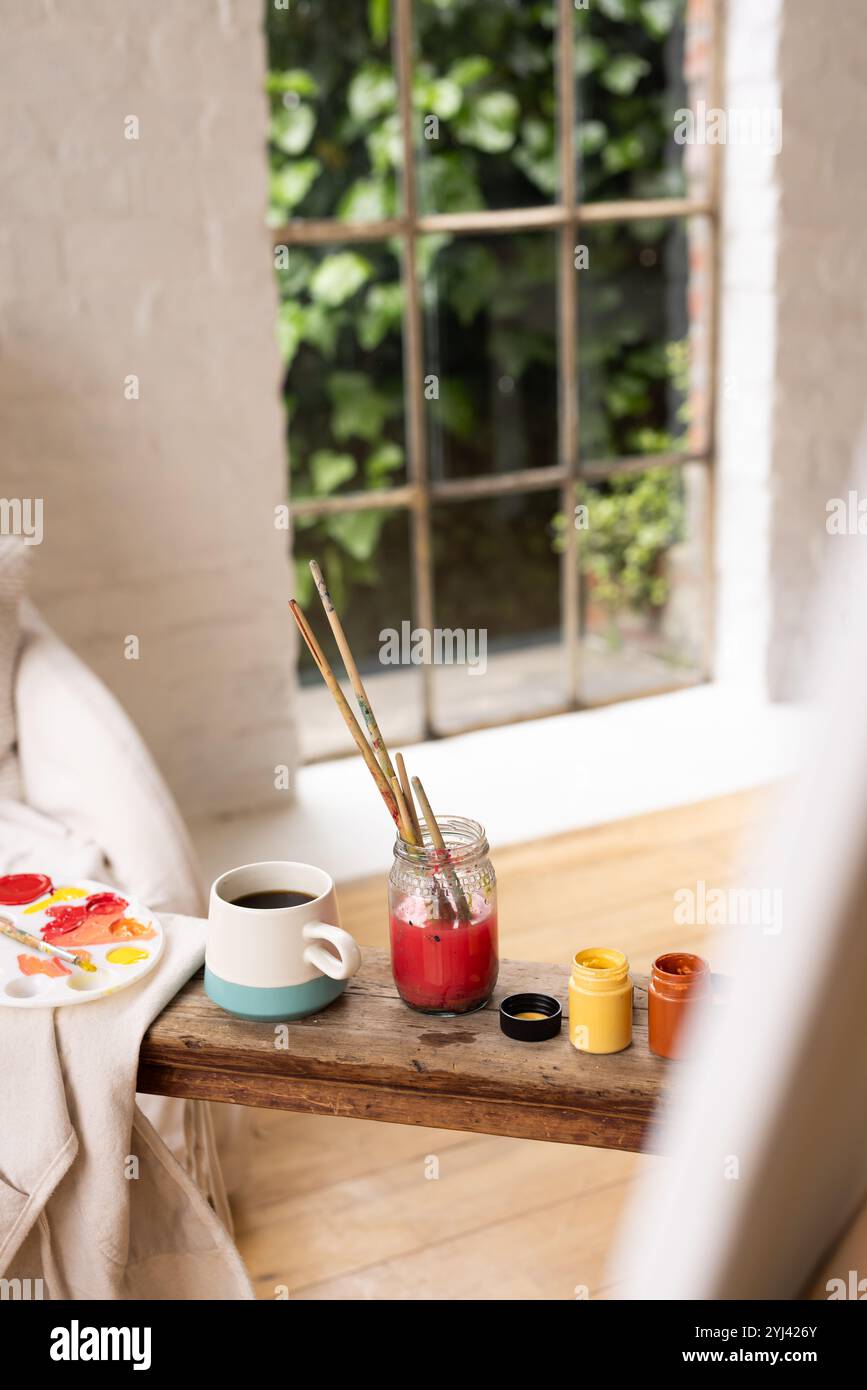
(262, 1005)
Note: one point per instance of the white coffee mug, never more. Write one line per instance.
(270, 963)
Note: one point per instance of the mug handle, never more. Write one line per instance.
(350, 956)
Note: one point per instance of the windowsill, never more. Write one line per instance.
(527, 781)
(520, 683)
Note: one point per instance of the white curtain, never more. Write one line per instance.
(768, 1138)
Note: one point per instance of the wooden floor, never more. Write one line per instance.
(349, 1209)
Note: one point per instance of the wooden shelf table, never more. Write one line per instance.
(371, 1057)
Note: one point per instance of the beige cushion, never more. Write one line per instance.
(13, 566)
(84, 764)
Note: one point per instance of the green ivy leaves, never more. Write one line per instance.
(489, 122)
(381, 463)
(631, 524)
(292, 128)
(295, 81)
(382, 314)
(338, 277)
(328, 471)
(659, 16)
(467, 71)
(379, 20)
(436, 96)
(372, 92)
(358, 532)
(623, 74)
(289, 186)
(449, 182)
(359, 409)
(367, 200)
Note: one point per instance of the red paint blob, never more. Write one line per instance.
(104, 903)
(66, 918)
(63, 919)
(16, 889)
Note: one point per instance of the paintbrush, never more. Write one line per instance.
(25, 938)
(349, 718)
(378, 742)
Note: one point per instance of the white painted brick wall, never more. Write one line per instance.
(150, 257)
(748, 251)
(821, 401)
(794, 327)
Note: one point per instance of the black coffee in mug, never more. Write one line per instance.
(273, 897)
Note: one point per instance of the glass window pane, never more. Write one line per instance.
(490, 353)
(484, 100)
(365, 557)
(638, 64)
(644, 581)
(496, 572)
(340, 330)
(334, 137)
(642, 313)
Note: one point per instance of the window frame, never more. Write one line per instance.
(566, 217)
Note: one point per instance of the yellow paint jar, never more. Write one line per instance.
(600, 1001)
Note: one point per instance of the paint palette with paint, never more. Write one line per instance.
(117, 935)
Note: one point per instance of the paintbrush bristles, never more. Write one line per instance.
(342, 703)
(379, 746)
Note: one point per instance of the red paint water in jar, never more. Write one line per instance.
(442, 912)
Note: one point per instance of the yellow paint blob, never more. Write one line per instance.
(126, 955)
(591, 961)
(60, 895)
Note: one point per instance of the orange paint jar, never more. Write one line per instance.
(678, 981)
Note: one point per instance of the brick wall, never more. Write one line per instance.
(149, 257)
(747, 358)
(794, 327)
(821, 399)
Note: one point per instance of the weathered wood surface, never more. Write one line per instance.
(370, 1056)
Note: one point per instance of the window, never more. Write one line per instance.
(497, 315)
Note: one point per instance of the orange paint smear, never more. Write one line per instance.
(43, 965)
(52, 966)
(103, 930)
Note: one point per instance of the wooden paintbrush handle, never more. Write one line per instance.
(352, 672)
(406, 829)
(408, 797)
(439, 844)
(342, 703)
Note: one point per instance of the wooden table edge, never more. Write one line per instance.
(591, 1128)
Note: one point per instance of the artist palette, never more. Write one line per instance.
(118, 935)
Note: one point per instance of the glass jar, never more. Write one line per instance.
(442, 913)
(678, 982)
(600, 1001)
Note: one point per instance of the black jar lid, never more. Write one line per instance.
(530, 1029)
